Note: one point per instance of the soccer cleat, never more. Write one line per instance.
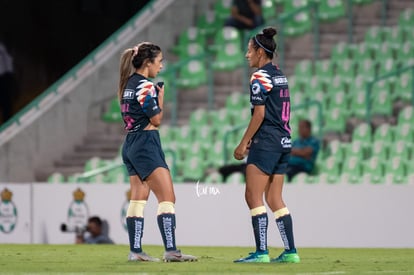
(255, 257)
(141, 257)
(287, 258)
(177, 256)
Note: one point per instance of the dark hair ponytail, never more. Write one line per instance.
(134, 58)
(265, 41)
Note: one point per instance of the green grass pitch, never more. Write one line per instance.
(112, 259)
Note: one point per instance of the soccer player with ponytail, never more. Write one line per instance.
(268, 143)
(142, 111)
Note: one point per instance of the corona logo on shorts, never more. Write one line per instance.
(78, 212)
(8, 212)
(124, 209)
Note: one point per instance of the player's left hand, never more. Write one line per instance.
(240, 151)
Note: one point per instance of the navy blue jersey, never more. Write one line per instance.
(269, 87)
(139, 103)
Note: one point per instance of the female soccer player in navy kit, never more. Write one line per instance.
(141, 106)
(268, 143)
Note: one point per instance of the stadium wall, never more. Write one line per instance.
(340, 215)
(59, 118)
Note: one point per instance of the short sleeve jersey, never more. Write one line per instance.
(139, 103)
(269, 87)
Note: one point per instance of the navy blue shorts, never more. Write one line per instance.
(142, 153)
(269, 162)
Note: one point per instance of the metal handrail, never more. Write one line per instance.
(84, 176)
(371, 83)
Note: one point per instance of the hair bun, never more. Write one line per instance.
(269, 32)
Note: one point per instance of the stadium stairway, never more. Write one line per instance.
(104, 142)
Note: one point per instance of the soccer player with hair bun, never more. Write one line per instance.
(141, 107)
(268, 143)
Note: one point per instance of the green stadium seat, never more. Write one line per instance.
(404, 131)
(203, 133)
(315, 84)
(358, 103)
(373, 170)
(363, 134)
(335, 121)
(269, 10)
(324, 69)
(297, 98)
(236, 101)
(198, 117)
(194, 169)
(190, 50)
(73, 178)
(214, 177)
(215, 154)
(56, 177)
(355, 148)
(362, 52)
(384, 133)
(295, 84)
(401, 148)
(403, 87)
(367, 68)
(220, 117)
(192, 74)
(301, 23)
(227, 45)
(396, 171)
(331, 169)
(386, 66)
(243, 117)
(184, 135)
(166, 132)
(198, 148)
(351, 170)
(117, 175)
(299, 178)
(94, 163)
(380, 148)
(303, 69)
(405, 54)
(228, 58)
(338, 100)
(346, 70)
(373, 37)
(191, 36)
(222, 9)
(336, 150)
(331, 9)
(406, 115)
(113, 114)
(381, 103)
(208, 23)
(394, 36)
(385, 52)
(406, 19)
(340, 51)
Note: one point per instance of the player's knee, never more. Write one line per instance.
(165, 207)
(136, 208)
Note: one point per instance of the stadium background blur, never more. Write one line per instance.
(335, 54)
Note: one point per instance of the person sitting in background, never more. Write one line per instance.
(304, 151)
(245, 14)
(98, 232)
